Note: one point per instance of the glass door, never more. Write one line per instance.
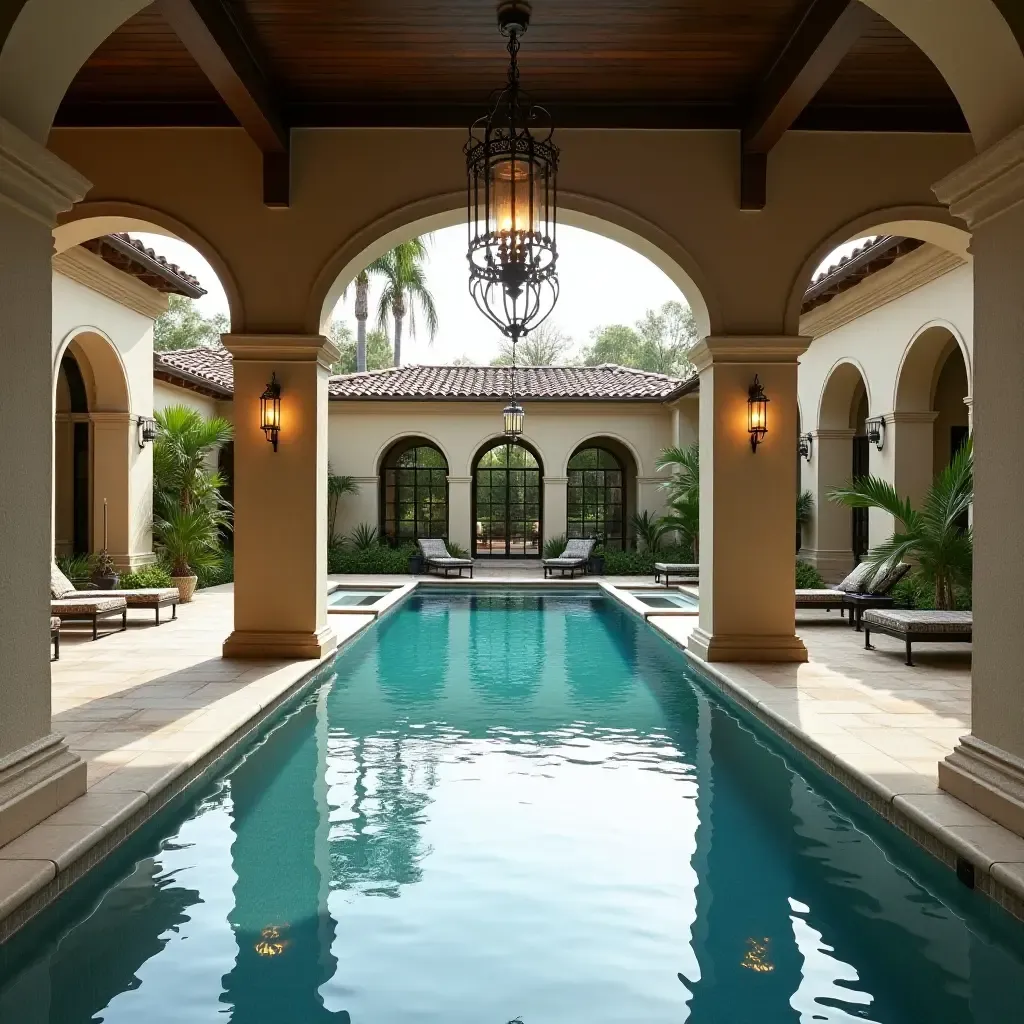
(507, 503)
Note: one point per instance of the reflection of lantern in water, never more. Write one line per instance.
(271, 943)
(756, 957)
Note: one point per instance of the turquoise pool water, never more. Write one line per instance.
(503, 805)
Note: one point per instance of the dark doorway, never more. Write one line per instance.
(507, 502)
(859, 517)
(957, 439)
(80, 460)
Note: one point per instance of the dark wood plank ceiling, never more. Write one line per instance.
(672, 63)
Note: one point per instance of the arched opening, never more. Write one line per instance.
(507, 500)
(601, 492)
(931, 413)
(91, 458)
(841, 451)
(413, 491)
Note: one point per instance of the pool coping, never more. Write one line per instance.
(913, 813)
(77, 838)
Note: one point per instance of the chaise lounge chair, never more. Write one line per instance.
(61, 588)
(90, 609)
(437, 558)
(864, 588)
(573, 558)
(923, 626)
(688, 572)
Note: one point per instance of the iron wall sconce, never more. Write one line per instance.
(148, 429)
(757, 413)
(270, 411)
(875, 428)
(806, 446)
(513, 417)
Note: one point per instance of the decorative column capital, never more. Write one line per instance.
(34, 180)
(834, 434)
(755, 349)
(909, 416)
(989, 184)
(556, 480)
(460, 480)
(282, 348)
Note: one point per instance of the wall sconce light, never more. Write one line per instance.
(875, 428)
(806, 446)
(513, 417)
(757, 414)
(270, 411)
(148, 429)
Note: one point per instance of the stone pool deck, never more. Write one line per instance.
(149, 709)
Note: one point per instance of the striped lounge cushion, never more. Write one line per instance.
(88, 605)
(817, 596)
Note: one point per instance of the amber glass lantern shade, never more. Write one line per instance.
(270, 411)
(757, 413)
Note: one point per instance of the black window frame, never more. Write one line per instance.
(413, 486)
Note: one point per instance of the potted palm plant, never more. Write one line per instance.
(189, 510)
(935, 536)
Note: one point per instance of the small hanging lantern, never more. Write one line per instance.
(806, 446)
(757, 413)
(511, 168)
(270, 411)
(875, 428)
(513, 417)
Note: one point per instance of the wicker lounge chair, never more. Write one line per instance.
(55, 636)
(437, 558)
(687, 572)
(90, 609)
(574, 558)
(150, 597)
(922, 626)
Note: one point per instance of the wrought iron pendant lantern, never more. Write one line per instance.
(513, 416)
(511, 167)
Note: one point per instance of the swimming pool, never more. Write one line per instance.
(516, 803)
(665, 599)
(343, 597)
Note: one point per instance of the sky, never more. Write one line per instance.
(602, 282)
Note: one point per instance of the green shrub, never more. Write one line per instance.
(807, 577)
(456, 550)
(77, 568)
(377, 559)
(554, 546)
(914, 591)
(641, 563)
(223, 573)
(148, 576)
(364, 537)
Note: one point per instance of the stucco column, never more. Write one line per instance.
(111, 435)
(460, 511)
(649, 496)
(830, 547)
(986, 770)
(911, 436)
(747, 502)
(281, 499)
(38, 774)
(556, 507)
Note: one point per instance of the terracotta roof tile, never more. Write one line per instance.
(492, 382)
(210, 367)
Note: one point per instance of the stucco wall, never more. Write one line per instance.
(899, 349)
(359, 433)
(165, 394)
(113, 346)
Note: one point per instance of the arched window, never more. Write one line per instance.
(507, 501)
(414, 492)
(597, 497)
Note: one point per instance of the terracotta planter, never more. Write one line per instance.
(106, 581)
(186, 587)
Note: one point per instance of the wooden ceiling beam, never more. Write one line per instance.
(819, 42)
(223, 48)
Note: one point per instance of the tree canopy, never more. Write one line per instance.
(183, 326)
(548, 345)
(378, 348)
(658, 342)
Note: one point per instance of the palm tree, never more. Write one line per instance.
(337, 486)
(189, 510)
(683, 489)
(405, 288)
(933, 536)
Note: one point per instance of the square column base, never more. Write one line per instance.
(746, 647)
(988, 779)
(37, 781)
(293, 646)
